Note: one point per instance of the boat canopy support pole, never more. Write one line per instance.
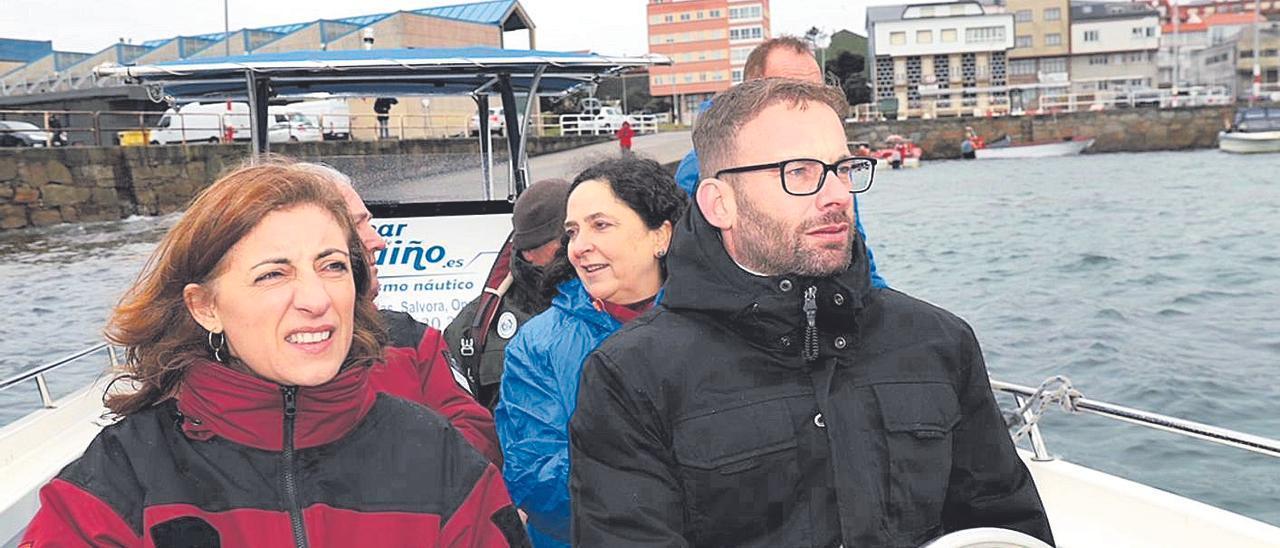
(486, 145)
(259, 91)
(514, 143)
(529, 106)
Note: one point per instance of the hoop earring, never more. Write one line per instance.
(217, 348)
(661, 254)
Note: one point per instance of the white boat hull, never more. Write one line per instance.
(1043, 150)
(1089, 508)
(38, 446)
(1249, 143)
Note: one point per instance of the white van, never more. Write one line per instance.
(332, 115)
(202, 123)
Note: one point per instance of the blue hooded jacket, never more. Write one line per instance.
(687, 178)
(538, 395)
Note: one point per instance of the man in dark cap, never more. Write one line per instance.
(539, 223)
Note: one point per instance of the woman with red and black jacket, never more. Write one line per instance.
(255, 419)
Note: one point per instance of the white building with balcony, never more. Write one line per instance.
(1113, 46)
(940, 59)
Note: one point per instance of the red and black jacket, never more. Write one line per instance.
(417, 370)
(239, 461)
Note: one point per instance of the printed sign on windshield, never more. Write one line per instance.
(433, 266)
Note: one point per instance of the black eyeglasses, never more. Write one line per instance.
(804, 176)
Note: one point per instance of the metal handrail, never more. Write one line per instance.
(38, 371)
(1221, 436)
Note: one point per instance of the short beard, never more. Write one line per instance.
(767, 245)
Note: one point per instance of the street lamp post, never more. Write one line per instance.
(1257, 68)
(226, 26)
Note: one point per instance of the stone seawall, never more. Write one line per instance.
(42, 187)
(1119, 130)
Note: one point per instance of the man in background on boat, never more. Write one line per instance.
(416, 367)
(479, 343)
(775, 397)
(972, 142)
(781, 57)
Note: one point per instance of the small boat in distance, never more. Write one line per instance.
(1006, 148)
(899, 152)
(1255, 130)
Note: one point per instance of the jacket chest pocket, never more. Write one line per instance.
(738, 469)
(917, 419)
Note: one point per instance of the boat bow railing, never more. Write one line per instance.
(37, 373)
(1058, 391)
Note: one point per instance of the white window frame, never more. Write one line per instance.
(1022, 67)
(983, 35)
(1059, 63)
(752, 12)
(752, 33)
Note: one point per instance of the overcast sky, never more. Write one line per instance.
(606, 26)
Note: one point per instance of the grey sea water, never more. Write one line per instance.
(1151, 280)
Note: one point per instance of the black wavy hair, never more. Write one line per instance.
(642, 184)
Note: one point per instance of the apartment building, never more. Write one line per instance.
(1268, 61)
(708, 42)
(1113, 46)
(940, 59)
(1199, 9)
(1038, 62)
(1201, 51)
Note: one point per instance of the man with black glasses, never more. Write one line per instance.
(774, 397)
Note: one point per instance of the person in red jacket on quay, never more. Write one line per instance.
(625, 133)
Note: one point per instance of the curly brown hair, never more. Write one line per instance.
(152, 323)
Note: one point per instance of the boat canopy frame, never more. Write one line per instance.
(474, 71)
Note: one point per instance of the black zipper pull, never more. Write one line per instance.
(810, 349)
(290, 401)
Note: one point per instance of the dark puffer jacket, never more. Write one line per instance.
(703, 423)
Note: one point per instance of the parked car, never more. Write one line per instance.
(22, 134)
(293, 127)
(497, 123)
(332, 115)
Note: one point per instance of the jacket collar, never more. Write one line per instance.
(575, 301)
(766, 310)
(216, 400)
